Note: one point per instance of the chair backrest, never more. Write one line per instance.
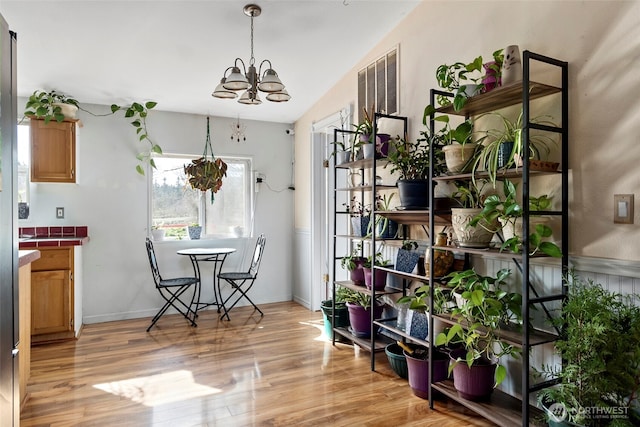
(153, 262)
(257, 255)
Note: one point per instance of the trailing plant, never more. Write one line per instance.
(453, 77)
(138, 113)
(41, 104)
(508, 210)
(485, 309)
(420, 299)
(511, 131)
(600, 346)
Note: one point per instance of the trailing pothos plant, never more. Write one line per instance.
(508, 210)
(138, 113)
(486, 307)
(207, 172)
(43, 105)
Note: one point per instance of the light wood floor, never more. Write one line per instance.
(272, 371)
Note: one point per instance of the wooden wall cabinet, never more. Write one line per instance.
(53, 151)
(52, 295)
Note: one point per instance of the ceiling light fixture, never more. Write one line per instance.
(249, 80)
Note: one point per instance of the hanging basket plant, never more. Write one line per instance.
(207, 172)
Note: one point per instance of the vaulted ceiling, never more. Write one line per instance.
(175, 52)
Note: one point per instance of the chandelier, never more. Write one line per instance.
(248, 79)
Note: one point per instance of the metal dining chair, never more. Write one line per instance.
(171, 290)
(242, 281)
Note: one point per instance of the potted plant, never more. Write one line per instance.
(470, 197)
(508, 212)
(353, 263)
(456, 143)
(360, 307)
(380, 275)
(483, 309)
(51, 105)
(505, 147)
(493, 72)
(157, 232)
(418, 362)
(339, 312)
(386, 228)
(453, 78)
(411, 161)
(194, 230)
(600, 346)
(363, 136)
(360, 214)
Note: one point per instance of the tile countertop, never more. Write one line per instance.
(39, 237)
(27, 256)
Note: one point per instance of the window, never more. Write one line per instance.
(378, 85)
(23, 163)
(174, 205)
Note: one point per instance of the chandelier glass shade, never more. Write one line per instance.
(239, 77)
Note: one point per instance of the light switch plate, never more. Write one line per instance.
(60, 213)
(623, 208)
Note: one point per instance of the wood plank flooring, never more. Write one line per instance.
(277, 370)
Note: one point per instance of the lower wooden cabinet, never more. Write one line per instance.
(52, 295)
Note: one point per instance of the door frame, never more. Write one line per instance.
(322, 203)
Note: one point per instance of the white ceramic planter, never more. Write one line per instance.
(472, 237)
(457, 156)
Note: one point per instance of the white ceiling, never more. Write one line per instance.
(175, 52)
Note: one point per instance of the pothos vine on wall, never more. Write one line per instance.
(207, 172)
(46, 105)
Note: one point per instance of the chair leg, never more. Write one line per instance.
(237, 288)
(171, 299)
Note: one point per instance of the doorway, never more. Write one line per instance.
(322, 201)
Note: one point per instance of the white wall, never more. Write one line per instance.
(112, 200)
(595, 37)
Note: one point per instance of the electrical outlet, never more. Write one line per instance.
(60, 213)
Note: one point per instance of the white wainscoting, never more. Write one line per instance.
(302, 267)
(616, 275)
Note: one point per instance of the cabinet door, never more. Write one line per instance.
(53, 151)
(51, 302)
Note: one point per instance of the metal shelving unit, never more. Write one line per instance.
(504, 409)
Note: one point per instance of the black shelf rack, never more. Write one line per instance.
(503, 409)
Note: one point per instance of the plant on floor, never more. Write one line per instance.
(600, 346)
